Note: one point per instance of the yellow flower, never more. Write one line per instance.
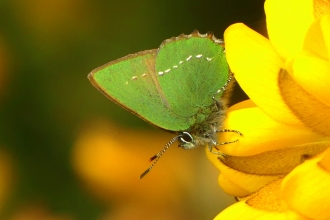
(280, 167)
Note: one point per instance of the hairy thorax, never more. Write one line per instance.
(204, 131)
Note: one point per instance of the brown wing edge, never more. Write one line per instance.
(195, 33)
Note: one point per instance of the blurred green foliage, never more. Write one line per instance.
(50, 47)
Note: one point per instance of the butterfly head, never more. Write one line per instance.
(186, 140)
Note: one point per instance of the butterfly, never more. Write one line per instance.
(181, 87)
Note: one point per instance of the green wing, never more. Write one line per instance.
(167, 87)
(131, 82)
(190, 70)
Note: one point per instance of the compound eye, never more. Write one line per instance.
(186, 137)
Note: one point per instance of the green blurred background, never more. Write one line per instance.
(47, 48)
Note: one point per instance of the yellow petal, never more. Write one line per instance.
(256, 65)
(321, 7)
(314, 114)
(244, 104)
(306, 189)
(325, 161)
(244, 184)
(231, 187)
(267, 198)
(311, 69)
(275, 162)
(241, 210)
(237, 183)
(261, 133)
(287, 24)
(313, 75)
(317, 40)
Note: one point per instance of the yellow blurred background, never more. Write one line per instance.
(66, 152)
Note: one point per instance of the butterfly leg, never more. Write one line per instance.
(229, 130)
(223, 143)
(216, 151)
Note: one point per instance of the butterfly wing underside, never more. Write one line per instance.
(191, 69)
(131, 82)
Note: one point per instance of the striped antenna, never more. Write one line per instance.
(158, 155)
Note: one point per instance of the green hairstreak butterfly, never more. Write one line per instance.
(180, 87)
